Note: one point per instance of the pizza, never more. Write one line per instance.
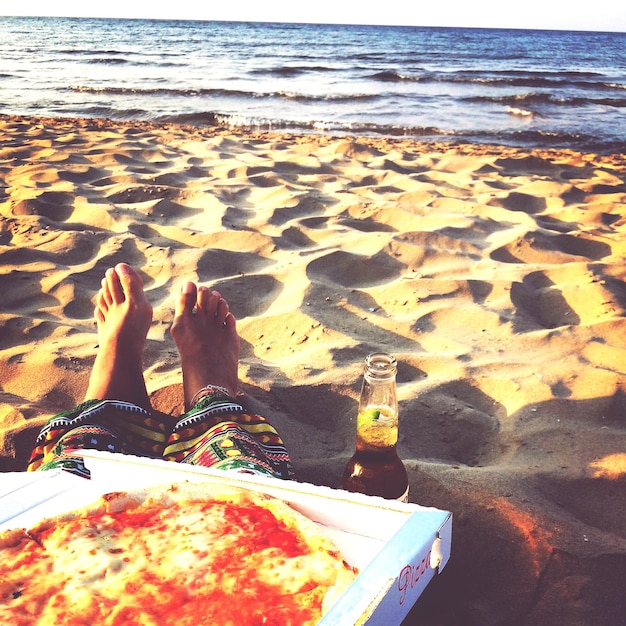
(186, 553)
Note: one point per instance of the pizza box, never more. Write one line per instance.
(397, 547)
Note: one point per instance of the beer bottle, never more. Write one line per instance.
(375, 468)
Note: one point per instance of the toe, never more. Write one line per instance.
(230, 322)
(129, 280)
(103, 301)
(223, 311)
(186, 300)
(104, 297)
(114, 290)
(208, 301)
(98, 314)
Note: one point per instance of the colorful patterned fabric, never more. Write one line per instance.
(217, 432)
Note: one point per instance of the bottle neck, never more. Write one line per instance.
(377, 422)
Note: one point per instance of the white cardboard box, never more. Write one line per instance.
(397, 547)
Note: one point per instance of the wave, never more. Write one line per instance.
(111, 57)
(521, 100)
(526, 137)
(529, 99)
(557, 80)
(92, 51)
(518, 112)
(289, 71)
(171, 92)
(142, 91)
(113, 113)
(108, 60)
(389, 76)
(232, 121)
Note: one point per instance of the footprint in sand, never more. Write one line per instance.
(517, 201)
(293, 238)
(54, 205)
(109, 181)
(355, 270)
(265, 288)
(526, 165)
(567, 295)
(216, 264)
(537, 247)
(539, 302)
(83, 175)
(308, 206)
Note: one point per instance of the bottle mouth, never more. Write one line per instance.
(380, 365)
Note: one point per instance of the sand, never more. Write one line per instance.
(496, 276)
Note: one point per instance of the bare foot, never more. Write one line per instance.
(205, 334)
(123, 315)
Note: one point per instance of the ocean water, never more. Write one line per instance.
(514, 87)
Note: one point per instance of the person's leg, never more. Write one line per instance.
(123, 315)
(116, 415)
(217, 431)
(205, 333)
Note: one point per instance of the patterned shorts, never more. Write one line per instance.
(217, 432)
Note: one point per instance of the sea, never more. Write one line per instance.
(523, 88)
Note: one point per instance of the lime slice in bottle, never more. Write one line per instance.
(371, 414)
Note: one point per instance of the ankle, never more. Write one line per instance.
(210, 390)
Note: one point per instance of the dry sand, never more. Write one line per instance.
(496, 276)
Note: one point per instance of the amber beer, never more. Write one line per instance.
(375, 468)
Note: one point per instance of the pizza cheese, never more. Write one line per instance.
(180, 554)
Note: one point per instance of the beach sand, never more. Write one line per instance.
(496, 276)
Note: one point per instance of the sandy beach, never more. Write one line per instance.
(496, 276)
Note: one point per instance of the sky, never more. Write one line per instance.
(598, 15)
